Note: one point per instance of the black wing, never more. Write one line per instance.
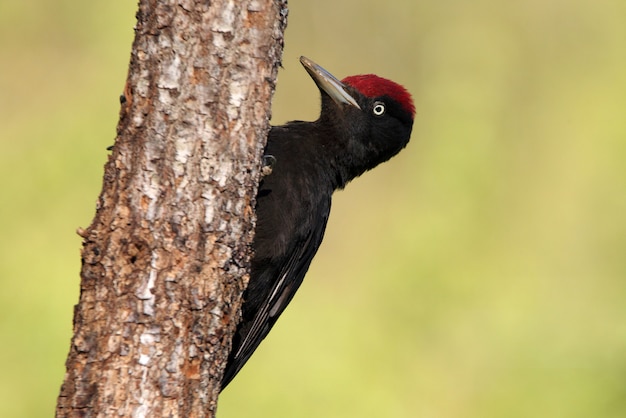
(273, 283)
(262, 309)
(258, 324)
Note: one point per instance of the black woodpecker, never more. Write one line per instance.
(364, 121)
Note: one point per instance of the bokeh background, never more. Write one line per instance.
(481, 273)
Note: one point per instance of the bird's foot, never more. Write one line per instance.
(268, 165)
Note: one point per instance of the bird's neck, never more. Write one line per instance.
(344, 156)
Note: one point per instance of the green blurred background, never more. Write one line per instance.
(481, 273)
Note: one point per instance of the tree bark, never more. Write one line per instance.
(166, 257)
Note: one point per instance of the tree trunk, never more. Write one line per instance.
(166, 257)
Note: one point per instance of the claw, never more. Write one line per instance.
(268, 165)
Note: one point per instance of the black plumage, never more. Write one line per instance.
(364, 120)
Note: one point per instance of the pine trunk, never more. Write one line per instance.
(166, 257)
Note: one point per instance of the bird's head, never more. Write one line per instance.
(371, 117)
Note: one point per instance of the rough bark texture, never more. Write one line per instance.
(166, 257)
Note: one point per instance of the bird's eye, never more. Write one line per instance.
(379, 108)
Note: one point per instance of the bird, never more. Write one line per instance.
(364, 121)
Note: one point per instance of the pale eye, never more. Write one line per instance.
(378, 109)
